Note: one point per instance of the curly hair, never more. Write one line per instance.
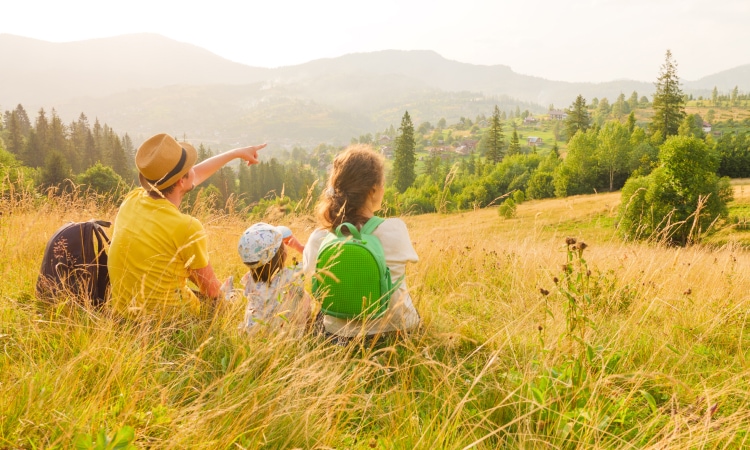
(356, 171)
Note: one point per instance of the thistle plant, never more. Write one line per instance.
(575, 289)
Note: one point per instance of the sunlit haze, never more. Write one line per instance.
(572, 40)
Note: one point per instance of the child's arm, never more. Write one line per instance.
(292, 242)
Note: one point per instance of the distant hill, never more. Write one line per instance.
(725, 80)
(145, 83)
(45, 73)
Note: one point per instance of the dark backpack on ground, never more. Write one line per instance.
(75, 263)
(352, 279)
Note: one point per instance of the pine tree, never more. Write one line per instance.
(120, 162)
(56, 169)
(515, 146)
(578, 117)
(404, 158)
(129, 149)
(37, 146)
(23, 120)
(204, 153)
(58, 139)
(96, 151)
(82, 141)
(631, 122)
(669, 108)
(495, 140)
(633, 101)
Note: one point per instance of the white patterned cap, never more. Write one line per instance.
(259, 243)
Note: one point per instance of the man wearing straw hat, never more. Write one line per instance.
(155, 248)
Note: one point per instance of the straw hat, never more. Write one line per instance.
(161, 161)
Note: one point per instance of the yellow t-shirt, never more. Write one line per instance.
(153, 248)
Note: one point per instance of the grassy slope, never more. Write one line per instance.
(666, 360)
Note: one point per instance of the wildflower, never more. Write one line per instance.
(570, 240)
(582, 245)
(544, 291)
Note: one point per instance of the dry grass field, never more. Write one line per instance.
(527, 342)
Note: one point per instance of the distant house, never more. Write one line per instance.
(470, 144)
(535, 141)
(386, 151)
(706, 127)
(384, 139)
(556, 114)
(463, 150)
(530, 120)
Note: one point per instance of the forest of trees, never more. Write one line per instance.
(598, 147)
(49, 154)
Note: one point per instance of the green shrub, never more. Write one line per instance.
(508, 209)
(680, 200)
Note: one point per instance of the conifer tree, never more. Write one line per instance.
(82, 141)
(37, 145)
(23, 120)
(55, 170)
(669, 108)
(495, 140)
(404, 157)
(58, 134)
(120, 161)
(244, 182)
(96, 153)
(515, 146)
(578, 117)
(631, 122)
(633, 101)
(16, 139)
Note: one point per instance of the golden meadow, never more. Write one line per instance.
(527, 342)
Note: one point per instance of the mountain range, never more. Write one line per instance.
(147, 83)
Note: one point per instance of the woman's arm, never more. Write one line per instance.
(210, 166)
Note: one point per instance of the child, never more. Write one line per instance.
(274, 293)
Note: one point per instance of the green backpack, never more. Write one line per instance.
(352, 279)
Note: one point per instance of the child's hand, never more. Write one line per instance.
(292, 242)
(228, 289)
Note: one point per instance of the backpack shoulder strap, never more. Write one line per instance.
(352, 230)
(372, 224)
(99, 231)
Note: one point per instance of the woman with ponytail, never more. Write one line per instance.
(353, 194)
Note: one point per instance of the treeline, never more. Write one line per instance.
(57, 151)
(50, 156)
(469, 164)
(598, 159)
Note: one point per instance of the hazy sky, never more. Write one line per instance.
(570, 40)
